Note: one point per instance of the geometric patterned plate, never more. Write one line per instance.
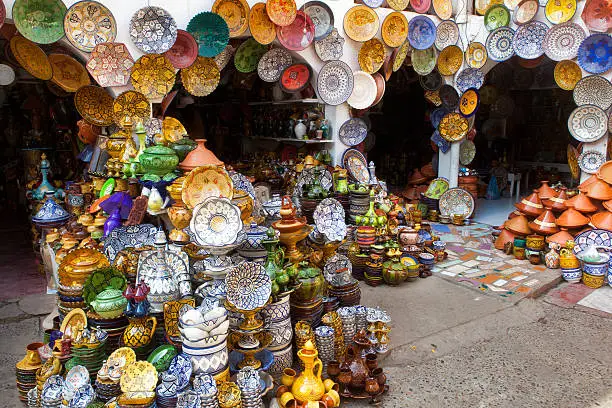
(330, 219)
(68, 73)
(447, 34)
(588, 123)
(590, 161)
(153, 76)
(476, 55)
(205, 182)
(593, 90)
(110, 64)
(595, 53)
(562, 41)
(40, 21)
(95, 105)
(497, 16)
(567, 74)
(353, 131)
(528, 39)
(453, 127)
(248, 286)
(469, 78)
(354, 161)
(31, 57)
(456, 201)
(499, 44)
(335, 82)
(469, 102)
(331, 47)
(273, 63)
(594, 237)
(216, 222)
(153, 30)
(88, 23)
(202, 77)
(131, 105)
(211, 33)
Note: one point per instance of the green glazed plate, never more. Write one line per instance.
(424, 61)
(108, 187)
(210, 32)
(162, 356)
(436, 188)
(248, 55)
(40, 21)
(497, 16)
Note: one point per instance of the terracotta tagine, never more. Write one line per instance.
(557, 204)
(572, 219)
(545, 224)
(586, 183)
(560, 237)
(518, 225)
(504, 237)
(599, 190)
(158, 160)
(602, 220)
(545, 191)
(199, 156)
(514, 213)
(580, 202)
(531, 206)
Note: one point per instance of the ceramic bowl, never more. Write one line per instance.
(593, 281)
(205, 343)
(572, 275)
(595, 269)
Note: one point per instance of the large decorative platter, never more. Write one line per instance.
(337, 270)
(447, 34)
(138, 377)
(329, 219)
(216, 222)
(281, 12)
(248, 55)
(440, 142)
(469, 102)
(499, 44)
(497, 16)
(89, 23)
(588, 123)
(469, 78)
(134, 236)
(420, 6)
(272, 64)
(394, 29)
(423, 61)
(567, 74)
(204, 182)
(353, 131)
(364, 90)
(40, 21)
(153, 30)
(68, 73)
(235, 13)
(110, 64)
(593, 90)
(561, 42)
(131, 105)
(31, 57)
(450, 60)
(443, 9)
(241, 182)
(436, 188)
(248, 286)
(597, 15)
(99, 280)
(262, 28)
(525, 11)
(421, 32)
(456, 201)
(593, 237)
(309, 175)
(202, 77)
(572, 161)
(476, 55)
(74, 322)
(467, 152)
(437, 115)
(184, 51)
(322, 17)
(590, 161)
(432, 81)
(335, 82)
(371, 55)
(181, 368)
(172, 129)
(296, 77)
(354, 161)
(361, 23)
(595, 53)
(95, 105)
(331, 47)
(398, 56)
(210, 32)
(560, 11)
(528, 39)
(398, 5)
(298, 35)
(151, 262)
(153, 76)
(449, 97)
(453, 127)
(373, 3)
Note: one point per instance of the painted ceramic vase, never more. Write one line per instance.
(158, 160)
(552, 257)
(139, 331)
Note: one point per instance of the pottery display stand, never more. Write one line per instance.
(250, 338)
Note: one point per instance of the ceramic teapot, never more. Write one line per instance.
(109, 303)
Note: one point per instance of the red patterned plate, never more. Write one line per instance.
(420, 6)
(184, 51)
(597, 15)
(297, 35)
(296, 77)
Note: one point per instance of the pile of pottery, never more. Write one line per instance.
(416, 184)
(341, 284)
(25, 370)
(89, 350)
(307, 300)
(277, 319)
(107, 384)
(75, 390)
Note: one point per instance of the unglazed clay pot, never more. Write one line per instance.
(581, 203)
(531, 206)
(518, 225)
(572, 219)
(599, 190)
(199, 157)
(545, 224)
(545, 191)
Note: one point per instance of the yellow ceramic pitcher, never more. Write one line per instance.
(309, 386)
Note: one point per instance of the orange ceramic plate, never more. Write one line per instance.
(371, 55)
(450, 60)
(262, 28)
(132, 106)
(394, 29)
(153, 75)
(68, 73)
(95, 206)
(206, 181)
(443, 9)
(281, 12)
(235, 13)
(31, 57)
(567, 74)
(468, 104)
(361, 23)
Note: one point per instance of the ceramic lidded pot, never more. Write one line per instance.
(581, 203)
(551, 259)
(599, 190)
(183, 147)
(504, 237)
(199, 156)
(583, 187)
(518, 225)
(602, 220)
(571, 218)
(557, 204)
(560, 237)
(109, 303)
(545, 191)
(531, 206)
(158, 160)
(545, 224)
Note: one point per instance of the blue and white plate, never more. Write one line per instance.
(595, 53)
(421, 32)
(248, 286)
(329, 218)
(593, 90)
(181, 368)
(499, 44)
(439, 141)
(437, 115)
(528, 39)
(469, 78)
(562, 41)
(594, 237)
(590, 161)
(241, 182)
(373, 3)
(353, 131)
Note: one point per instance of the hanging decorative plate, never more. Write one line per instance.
(572, 161)
(421, 32)
(335, 82)
(467, 152)
(423, 61)
(40, 21)
(184, 51)
(281, 12)
(476, 55)
(450, 60)
(329, 219)
(469, 78)
(235, 13)
(447, 34)
(449, 97)
(173, 130)
(562, 41)
(206, 181)
(202, 77)
(437, 115)
(134, 236)
(528, 39)
(248, 55)
(371, 55)
(560, 11)
(295, 77)
(588, 123)
(590, 161)
(153, 76)
(420, 6)
(453, 127)
(443, 9)
(68, 73)
(567, 74)
(31, 57)
(525, 11)
(593, 90)
(224, 57)
(216, 222)
(153, 30)
(153, 127)
(361, 23)
(210, 32)
(499, 44)
(353, 131)
(322, 17)
(331, 47)
(436, 188)
(399, 55)
(262, 28)
(610, 123)
(398, 5)
(432, 81)
(456, 201)
(595, 53)
(394, 29)
(95, 105)
(364, 90)
(110, 64)
(2, 14)
(597, 15)
(469, 102)
(440, 142)
(497, 16)
(132, 106)
(248, 286)
(272, 64)
(7, 75)
(299, 34)
(482, 6)
(356, 164)
(89, 23)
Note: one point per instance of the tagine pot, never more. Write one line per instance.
(545, 224)
(531, 206)
(504, 237)
(560, 237)
(583, 187)
(580, 202)
(109, 303)
(571, 218)
(599, 190)
(183, 147)
(199, 156)
(557, 204)
(545, 191)
(158, 160)
(518, 225)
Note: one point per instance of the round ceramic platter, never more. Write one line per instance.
(398, 5)
(364, 90)
(394, 29)
(447, 33)
(443, 9)
(597, 15)
(7, 75)
(421, 32)
(593, 90)
(398, 56)
(595, 53)
(467, 152)
(322, 17)
(335, 82)
(456, 201)
(184, 51)
(88, 23)
(476, 55)
(131, 105)
(499, 44)
(153, 30)
(248, 55)
(453, 127)
(134, 236)
(298, 35)
(436, 188)
(205, 182)
(588, 123)
(356, 164)
(202, 77)
(68, 73)
(248, 286)
(361, 23)
(110, 64)
(562, 41)
(153, 76)
(469, 102)
(353, 131)
(469, 78)
(525, 11)
(567, 74)
(329, 219)
(241, 182)
(235, 13)
(497, 16)
(590, 161)
(281, 12)
(437, 115)
(423, 61)
(216, 222)
(420, 6)
(593, 237)
(528, 39)
(272, 64)
(560, 11)
(40, 21)
(432, 81)
(296, 77)
(95, 105)
(371, 55)
(331, 47)
(308, 176)
(450, 60)
(210, 32)
(31, 57)
(262, 28)
(449, 97)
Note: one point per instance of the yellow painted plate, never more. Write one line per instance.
(361, 23)
(572, 161)
(172, 129)
(124, 356)
(206, 181)
(483, 5)
(399, 55)
(443, 9)
(131, 105)
(476, 55)
(153, 76)
(94, 104)
(560, 11)
(469, 102)
(31, 57)
(140, 376)
(202, 77)
(74, 322)
(450, 60)
(68, 73)
(394, 29)
(235, 13)
(262, 28)
(453, 127)
(567, 74)
(281, 12)
(371, 55)
(398, 5)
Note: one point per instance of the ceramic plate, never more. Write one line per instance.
(110, 64)
(562, 41)
(525, 12)
(572, 161)
(590, 161)
(423, 61)
(421, 32)
(449, 97)
(335, 83)
(597, 15)
(133, 105)
(440, 142)
(593, 237)
(262, 28)
(281, 12)
(437, 115)
(420, 6)
(361, 23)
(135, 236)
(40, 21)
(173, 130)
(153, 76)
(398, 5)
(248, 55)
(432, 81)
(235, 13)
(450, 60)
(153, 30)
(567, 74)
(204, 182)
(588, 123)
(528, 39)
(272, 64)
(398, 56)
(373, 3)
(181, 368)
(210, 32)
(353, 131)
(139, 377)
(469, 102)
(241, 182)
(31, 57)
(296, 77)
(216, 222)
(337, 271)
(436, 188)
(595, 53)
(447, 34)
(469, 78)
(371, 55)
(453, 127)
(456, 201)
(2, 14)
(184, 51)
(89, 23)
(560, 11)
(248, 286)
(356, 164)
(224, 57)
(308, 176)
(322, 17)
(467, 152)
(394, 29)
(476, 55)
(7, 75)
(68, 73)
(497, 16)
(499, 44)
(329, 219)
(298, 35)
(202, 77)
(95, 105)
(443, 9)
(364, 90)
(593, 90)
(331, 47)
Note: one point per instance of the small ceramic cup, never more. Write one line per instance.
(288, 377)
(287, 400)
(330, 385)
(334, 396)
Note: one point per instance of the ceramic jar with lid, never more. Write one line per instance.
(158, 160)
(109, 303)
(199, 156)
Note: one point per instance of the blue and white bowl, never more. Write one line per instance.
(595, 269)
(572, 275)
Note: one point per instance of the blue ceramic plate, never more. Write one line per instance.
(421, 32)
(437, 115)
(499, 44)
(469, 78)
(353, 131)
(595, 53)
(210, 32)
(594, 237)
(528, 39)
(439, 141)
(181, 368)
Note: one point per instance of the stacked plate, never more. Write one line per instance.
(348, 295)
(26, 381)
(91, 358)
(324, 337)
(366, 236)
(358, 261)
(107, 390)
(114, 328)
(359, 204)
(431, 203)
(347, 316)
(343, 199)
(373, 273)
(307, 311)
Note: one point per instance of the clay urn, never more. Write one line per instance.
(504, 237)
(557, 204)
(581, 203)
(199, 156)
(560, 237)
(545, 224)
(586, 183)
(545, 191)
(518, 225)
(571, 218)
(602, 220)
(605, 172)
(599, 190)
(514, 213)
(531, 206)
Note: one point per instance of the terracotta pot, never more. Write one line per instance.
(572, 219)
(586, 183)
(557, 204)
(504, 237)
(602, 220)
(428, 171)
(560, 237)
(199, 157)
(531, 206)
(545, 224)
(605, 172)
(545, 191)
(582, 203)
(468, 179)
(599, 190)
(514, 213)
(518, 225)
